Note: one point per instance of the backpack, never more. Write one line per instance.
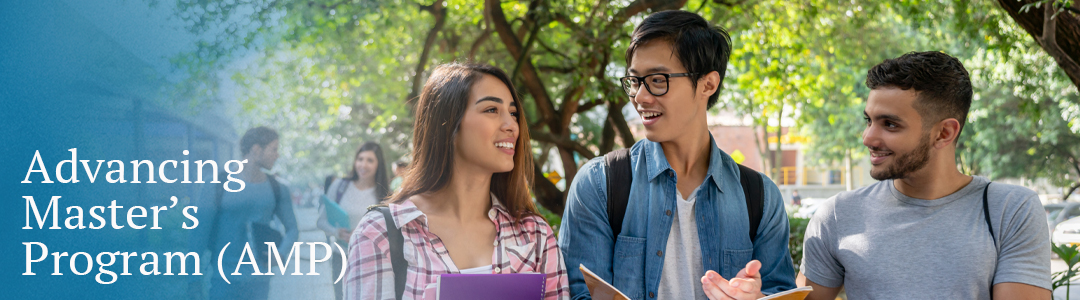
(342, 186)
(397, 254)
(619, 178)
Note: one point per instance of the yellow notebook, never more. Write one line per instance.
(602, 290)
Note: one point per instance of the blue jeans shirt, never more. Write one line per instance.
(633, 262)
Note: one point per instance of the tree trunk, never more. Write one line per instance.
(777, 157)
(763, 148)
(547, 194)
(615, 115)
(849, 176)
(1060, 37)
(439, 12)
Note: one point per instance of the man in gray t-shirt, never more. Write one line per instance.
(880, 244)
(926, 231)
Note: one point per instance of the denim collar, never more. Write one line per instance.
(656, 162)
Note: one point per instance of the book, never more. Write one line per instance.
(602, 290)
(334, 214)
(523, 286)
(792, 294)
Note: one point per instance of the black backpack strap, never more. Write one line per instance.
(397, 254)
(753, 189)
(274, 186)
(619, 177)
(342, 186)
(986, 214)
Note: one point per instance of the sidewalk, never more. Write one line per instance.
(308, 286)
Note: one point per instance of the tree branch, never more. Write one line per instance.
(552, 50)
(1065, 197)
(547, 194)
(479, 41)
(562, 142)
(607, 136)
(589, 105)
(1064, 48)
(1050, 44)
(439, 12)
(619, 121)
(530, 77)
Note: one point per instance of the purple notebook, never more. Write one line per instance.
(491, 286)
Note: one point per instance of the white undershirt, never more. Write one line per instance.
(477, 270)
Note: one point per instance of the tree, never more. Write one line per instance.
(1024, 120)
(337, 65)
(1055, 26)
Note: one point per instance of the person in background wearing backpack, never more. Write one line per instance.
(926, 230)
(464, 205)
(685, 229)
(366, 185)
(237, 218)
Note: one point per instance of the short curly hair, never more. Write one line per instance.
(942, 83)
(261, 136)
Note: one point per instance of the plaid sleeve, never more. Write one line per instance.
(557, 287)
(370, 275)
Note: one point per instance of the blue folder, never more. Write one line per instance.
(337, 216)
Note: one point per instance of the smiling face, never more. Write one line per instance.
(488, 135)
(366, 165)
(668, 116)
(894, 134)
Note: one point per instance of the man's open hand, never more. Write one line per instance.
(745, 286)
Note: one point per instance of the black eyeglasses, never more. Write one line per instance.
(656, 83)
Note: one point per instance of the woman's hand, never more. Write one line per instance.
(344, 234)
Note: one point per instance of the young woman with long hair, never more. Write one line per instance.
(464, 205)
(367, 184)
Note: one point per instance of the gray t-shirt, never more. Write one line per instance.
(681, 276)
(881, 244)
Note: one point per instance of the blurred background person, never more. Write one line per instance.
(245, 217)
(399, 171)
(366, 185)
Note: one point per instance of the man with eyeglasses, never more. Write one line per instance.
(686, 229)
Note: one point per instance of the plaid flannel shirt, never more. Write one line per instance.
(526, 247)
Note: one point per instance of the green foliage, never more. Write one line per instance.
(553, 219)
(331, 73)
(796, 238)
(1071, 256)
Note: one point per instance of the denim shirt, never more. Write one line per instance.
(633, 262)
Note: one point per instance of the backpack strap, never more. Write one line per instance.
(397, 254)
(753, 188)
(342, 186)
(274, 186)
(619, 178)
(986, 214)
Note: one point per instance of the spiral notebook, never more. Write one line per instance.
(488, 287)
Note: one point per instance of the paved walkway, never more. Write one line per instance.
(311, 287)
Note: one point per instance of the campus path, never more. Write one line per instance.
(305, 287)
